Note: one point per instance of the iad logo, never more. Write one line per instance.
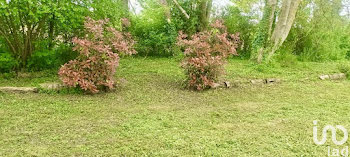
(332, 151)
(334, 136)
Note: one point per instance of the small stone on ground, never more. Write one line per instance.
(258, 81)
(51, 86)
(333, 77)
(19, 89)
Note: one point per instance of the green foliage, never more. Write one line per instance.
(8, 75)
(44, 59)
(64, 53)
(41, 60)
(345, 68)
(155, 36)
(7, 62)
(286, 59)
(111, 9)
(188, 26)
(247, 6)
(320, 33)
(261, 35)
(64, 90)
(237, 22)
(24, 23)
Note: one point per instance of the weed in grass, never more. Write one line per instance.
(345, 68)
(64, 91)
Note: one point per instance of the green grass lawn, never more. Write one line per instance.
(153, 115)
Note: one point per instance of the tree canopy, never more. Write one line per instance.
(310, 29)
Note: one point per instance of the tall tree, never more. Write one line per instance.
(271, 11)
(22, 23)
(205, 7)
(26, 24)
(284, 24)
(274, 28)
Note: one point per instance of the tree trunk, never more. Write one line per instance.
(28, 47)
(51, 31)
(182, 10)
(205, 7)
(272, 17)
(284, 24)
(273, 33)
(265, 29)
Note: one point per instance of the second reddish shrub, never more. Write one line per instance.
(206, 53)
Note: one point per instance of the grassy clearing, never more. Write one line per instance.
(153, 116)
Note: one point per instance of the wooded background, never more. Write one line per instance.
(37, 34)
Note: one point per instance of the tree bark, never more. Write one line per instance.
(182, 10)
(205, 7)
(273, 33)
(21, 37)
(51, 31)
(265, 29)
(272, 4)
(284, 24)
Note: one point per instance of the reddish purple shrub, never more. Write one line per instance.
(98, 58)
(206, 53)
